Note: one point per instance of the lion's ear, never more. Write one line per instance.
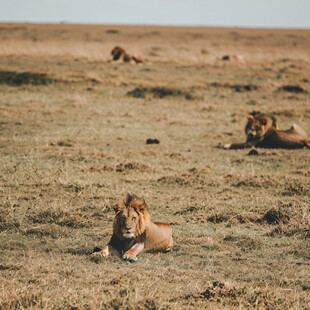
(142, 207)
(250, 117)
(116, 208)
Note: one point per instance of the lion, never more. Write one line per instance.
(119, 53)
(262, 131)
(134, 232)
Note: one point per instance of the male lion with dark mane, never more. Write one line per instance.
(262, 131)
(134, 232)
(119, 53)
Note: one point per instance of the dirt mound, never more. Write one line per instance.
(112, 31)
(58, 217)
(187, 210)
(253, 152)
(123, 167)
(235, 87)
(289, 219)
(242, 242)
(257, 181)
(13, 78)
(219, 292)
(159, 92)
(229, 296)
(295, 189)
(218, 218)
(195, 176)
(233, 218)
(292, 89)
(152, 141)
(274, 216)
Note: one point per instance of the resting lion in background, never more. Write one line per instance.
(119, 53)
(134, 232)
(262, 131)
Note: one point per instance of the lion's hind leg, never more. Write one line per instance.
(302, 133)
(168, 248)
(299, 130)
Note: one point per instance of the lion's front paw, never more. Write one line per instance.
(227, 146)
(129, 256)
(104, 252)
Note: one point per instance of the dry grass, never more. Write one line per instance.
(74, 145)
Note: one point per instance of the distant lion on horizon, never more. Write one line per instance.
(118, 53)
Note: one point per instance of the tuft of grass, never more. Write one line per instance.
(292, 89)
(13, 78)
(159, 92)
(236, 87)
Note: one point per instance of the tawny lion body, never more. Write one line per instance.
(262, 131)
(119, 53)
(134, 232)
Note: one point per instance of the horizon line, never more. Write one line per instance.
(152, 25)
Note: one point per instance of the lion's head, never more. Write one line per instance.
(117, 52)
(131, 218)
(258, 125)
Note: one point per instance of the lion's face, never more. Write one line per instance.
(257, 127)
(131, 218)
(117, 52)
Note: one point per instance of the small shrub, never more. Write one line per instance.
(159, 92)
(13, 78)
(292, 89)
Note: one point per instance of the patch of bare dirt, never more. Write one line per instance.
(196, 176)
(289, 219)
(276, 216)
(123, 167)
(224, 293)
(232, 218)
(152, 141)
(295, 189)
(259, 181)
(49, 230)
(159, 92)
(13, 78)
(235, 87)
(190, 209)
(60, 218)
(9, 267)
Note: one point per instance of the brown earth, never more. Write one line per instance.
(73, 132)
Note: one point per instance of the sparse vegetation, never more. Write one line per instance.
(292, 89)
(69, 150)
(23, 78)
(159, 92)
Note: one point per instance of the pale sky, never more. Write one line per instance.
(242, 13)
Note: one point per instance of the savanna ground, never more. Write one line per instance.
(73, 142)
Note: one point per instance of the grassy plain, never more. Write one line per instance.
(73, 142)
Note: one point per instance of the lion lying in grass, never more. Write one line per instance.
(119, 53)
(134, 232)
(262, 131)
